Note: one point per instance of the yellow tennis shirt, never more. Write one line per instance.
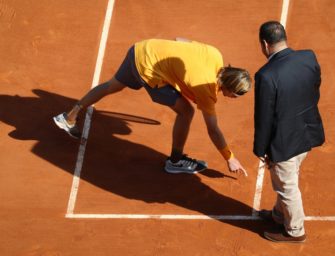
(190, 67)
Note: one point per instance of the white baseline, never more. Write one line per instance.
(183, 217)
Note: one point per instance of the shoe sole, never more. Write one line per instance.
(61, 126)
(284, 241)
(181, 171)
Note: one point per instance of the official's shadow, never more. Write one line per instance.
(116, 165)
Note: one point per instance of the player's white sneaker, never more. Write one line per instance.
(185, 165)
(61, 122)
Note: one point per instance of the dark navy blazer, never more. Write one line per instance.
(287, 119)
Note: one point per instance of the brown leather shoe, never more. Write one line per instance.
(267, 216)
(283, 237)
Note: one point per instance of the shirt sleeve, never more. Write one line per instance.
(205, 99)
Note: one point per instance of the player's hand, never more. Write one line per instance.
(235, 166)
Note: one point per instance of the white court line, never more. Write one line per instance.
(162, 216)
(261, 166)
(259, 188)
(184, 217)
(284, 12)
(89, 112)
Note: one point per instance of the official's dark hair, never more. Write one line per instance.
(272, 32)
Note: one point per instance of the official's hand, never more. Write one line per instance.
(235, 166)
(265, 159)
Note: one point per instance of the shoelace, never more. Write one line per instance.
(189, 162)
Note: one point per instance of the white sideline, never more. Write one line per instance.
(284, 12)
(259, 188)
(89, 112)
(261, 166)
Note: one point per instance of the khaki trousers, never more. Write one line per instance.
(288, 209)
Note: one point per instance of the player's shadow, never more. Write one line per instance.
(119, 166)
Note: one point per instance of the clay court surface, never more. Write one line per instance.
(120, 201)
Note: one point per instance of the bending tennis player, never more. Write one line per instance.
(174, 73)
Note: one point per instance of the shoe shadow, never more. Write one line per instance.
(119, 166)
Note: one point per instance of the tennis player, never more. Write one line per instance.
(175, 74)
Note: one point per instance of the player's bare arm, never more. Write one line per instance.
(219, 141)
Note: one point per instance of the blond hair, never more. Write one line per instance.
(235, 80)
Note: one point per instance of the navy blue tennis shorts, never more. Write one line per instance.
(129, 76)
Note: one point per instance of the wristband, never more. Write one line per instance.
(226, 153)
